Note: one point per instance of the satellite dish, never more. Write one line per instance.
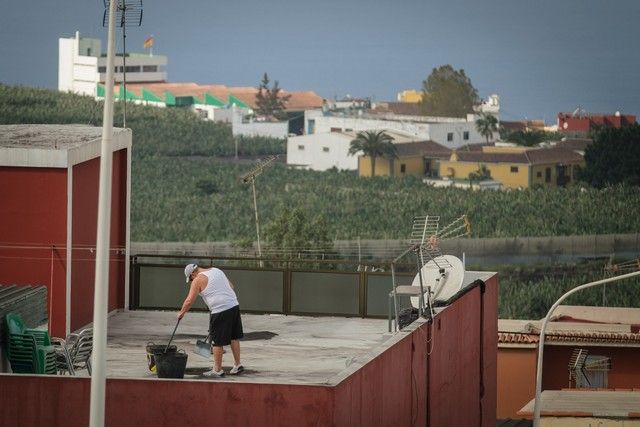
(444, 274)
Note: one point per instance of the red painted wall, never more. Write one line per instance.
(65, 401)
(86, 177)
(624, 373)
(516, 380)
(490, 351)
(568, 123)
(33, 217)
(387, 390)
(33, 235)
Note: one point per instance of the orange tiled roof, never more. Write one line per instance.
(570, 336)
(298, 101)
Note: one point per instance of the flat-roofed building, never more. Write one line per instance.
(49, 179)
(607, 339)
(82, 66)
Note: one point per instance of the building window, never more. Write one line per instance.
(132, 68)
(348, 130)
(465, 135)
(403, 168)
(149, 68)
(311, 127)
(336, 129)
(539, 174)
(547, 175)
(102, 70)
(300, 147)
(325, 149)
(514, 169)
(450, 136)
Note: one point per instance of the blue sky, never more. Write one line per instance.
(541, 57)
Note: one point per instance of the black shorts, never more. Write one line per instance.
(225, 326)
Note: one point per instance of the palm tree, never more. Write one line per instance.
(373, 144)
(527, 137)
(486, 124)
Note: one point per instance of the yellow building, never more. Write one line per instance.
(421, 158)
(413, 96)
(516, 166)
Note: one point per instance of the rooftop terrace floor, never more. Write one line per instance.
(275, 348)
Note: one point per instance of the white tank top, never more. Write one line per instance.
(218, 294)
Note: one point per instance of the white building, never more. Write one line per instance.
(244, 123)
(322, 151)
(81, 66)
(447, 131)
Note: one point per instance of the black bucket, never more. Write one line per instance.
(171, 365)
(153, 349)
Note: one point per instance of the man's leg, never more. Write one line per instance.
(235, 349)
(217, 358)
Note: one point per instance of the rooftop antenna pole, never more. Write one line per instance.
(537, 405)
(128, 13)
(250, 177)
(101, 295)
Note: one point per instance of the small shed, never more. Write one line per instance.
(49, 180)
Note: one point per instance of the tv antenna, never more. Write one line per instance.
(582, 366)
(250, 178)
(439, 276)
(128, 14)
(611, 269)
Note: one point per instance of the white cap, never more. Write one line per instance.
(189, 269)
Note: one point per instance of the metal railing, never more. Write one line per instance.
(284, 286)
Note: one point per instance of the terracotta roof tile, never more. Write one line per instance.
(247, 94)
(425, 148)
(532, 156)
(569, 336)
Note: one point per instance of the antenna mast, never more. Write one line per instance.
(128, 13)
(250, 178)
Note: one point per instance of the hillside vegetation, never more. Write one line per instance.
(186, 186)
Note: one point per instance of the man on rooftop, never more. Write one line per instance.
(225, 324)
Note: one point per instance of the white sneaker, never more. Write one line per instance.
(236, 370)
(213, 374)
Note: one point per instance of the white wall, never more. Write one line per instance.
(66, 49)
(436, 131)
(234, 116)
(76, 73)
(139, 61)
(321, 151)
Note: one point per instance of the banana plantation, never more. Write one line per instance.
(186, 186)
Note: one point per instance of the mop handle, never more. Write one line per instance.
(171, 339)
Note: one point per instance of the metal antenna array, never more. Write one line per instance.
(434, 269)
(250, 177)
(426, 232)
(128, 14)
(580, 365)
(611, 269)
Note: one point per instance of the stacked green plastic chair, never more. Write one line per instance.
(29, 350)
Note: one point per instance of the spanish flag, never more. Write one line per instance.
(148, 42)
